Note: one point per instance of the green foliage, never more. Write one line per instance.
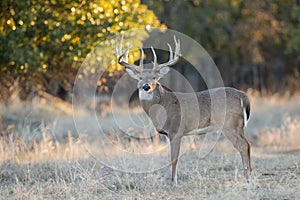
(293, 44)
(53, 34)
(232, 26)
(254, 41)
(43, 43)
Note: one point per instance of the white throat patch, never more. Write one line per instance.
(143, 95)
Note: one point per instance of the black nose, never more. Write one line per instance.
(146, 87)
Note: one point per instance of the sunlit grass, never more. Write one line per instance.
(51, 160)
(282, 139)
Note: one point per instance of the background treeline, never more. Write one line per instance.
(255, 44)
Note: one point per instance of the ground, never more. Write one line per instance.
(218, 176)
(43, 164)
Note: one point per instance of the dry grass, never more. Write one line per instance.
(50, 161)
(273, 178)
(282, 139)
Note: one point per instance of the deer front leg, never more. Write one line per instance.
(175, 148)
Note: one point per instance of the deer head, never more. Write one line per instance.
(148, 79)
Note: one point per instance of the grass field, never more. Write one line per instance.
(46, 159)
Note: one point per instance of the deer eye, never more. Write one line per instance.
(140, 78)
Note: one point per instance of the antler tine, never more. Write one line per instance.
(126, 52)
(154, 57)
(177, 46)
(117, 52)
(122, 56)
(121, 43)
(141, 58)
(171, 52)
(174, 57)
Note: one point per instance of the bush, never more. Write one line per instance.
(44, 42)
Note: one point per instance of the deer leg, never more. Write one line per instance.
(175, 148)
(241, 144)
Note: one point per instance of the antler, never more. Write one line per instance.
(174, 58)
(122, 57)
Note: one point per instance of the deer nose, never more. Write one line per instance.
(146, 87)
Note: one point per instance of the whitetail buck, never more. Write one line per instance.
(175, 114)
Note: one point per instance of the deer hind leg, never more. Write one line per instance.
(175, 149)
(242, 145)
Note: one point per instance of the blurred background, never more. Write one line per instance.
(51, 148)
(255, 44)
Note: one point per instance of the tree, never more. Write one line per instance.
(254, 43)
(44, 42)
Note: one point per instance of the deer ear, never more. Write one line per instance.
(131, 73)
(163, 71)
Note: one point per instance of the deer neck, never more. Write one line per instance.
(155, 98)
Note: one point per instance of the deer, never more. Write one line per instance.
(175, 114)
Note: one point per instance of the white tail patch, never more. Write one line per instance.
(244, 114)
